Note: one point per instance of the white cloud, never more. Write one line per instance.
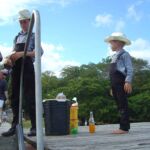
(9, 8)
(140, 48)
(107, 20)
(51, 60)
(103, 20)
(133, 13)
(5, 50)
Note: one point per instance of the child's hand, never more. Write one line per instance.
(128, 88)
(8, 62)
(16, 56)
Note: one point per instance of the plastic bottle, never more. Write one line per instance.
(85, 123)
(91, 123)
(74, 117)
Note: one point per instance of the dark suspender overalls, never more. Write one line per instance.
(117, 83)
(28, 87)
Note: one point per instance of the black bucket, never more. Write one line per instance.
(57, 117)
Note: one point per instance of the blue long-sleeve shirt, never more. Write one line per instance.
(124, 64)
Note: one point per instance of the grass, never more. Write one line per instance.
(27, 124)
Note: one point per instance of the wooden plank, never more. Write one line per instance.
(138, 138)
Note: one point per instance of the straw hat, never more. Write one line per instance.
(24, 14)
(118, 36)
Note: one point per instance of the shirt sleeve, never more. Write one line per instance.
(1, 57)
(14, 42)
(33, 44)
(42, 51)
(128, 67)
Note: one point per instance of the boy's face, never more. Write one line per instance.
(116, 45)
(24, 24)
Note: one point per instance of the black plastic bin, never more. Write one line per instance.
(57, 117)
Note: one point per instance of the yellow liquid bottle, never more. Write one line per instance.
(91, 123)
(74, 118)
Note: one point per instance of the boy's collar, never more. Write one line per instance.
(119, 51)
(22, 33)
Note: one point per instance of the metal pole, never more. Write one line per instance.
(38, 87)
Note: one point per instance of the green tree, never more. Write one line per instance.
(90, 84)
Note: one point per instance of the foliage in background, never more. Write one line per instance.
(90, 84)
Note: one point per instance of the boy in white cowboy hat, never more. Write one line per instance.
(29, 77)
(121, 73)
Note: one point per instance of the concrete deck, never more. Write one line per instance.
(7, 143)
(137, 139)
(10, 143)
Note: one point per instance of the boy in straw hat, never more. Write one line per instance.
(121, 73)
(29, 77)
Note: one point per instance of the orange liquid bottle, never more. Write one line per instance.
(91, 123)
(92, 128)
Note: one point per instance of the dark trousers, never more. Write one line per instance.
(122, 104)
(28, 90)
(117, 83)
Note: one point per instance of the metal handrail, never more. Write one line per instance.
(38, 87)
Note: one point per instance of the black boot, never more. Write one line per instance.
(32, 132)
(10, 132)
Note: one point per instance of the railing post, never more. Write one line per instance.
(38, 87)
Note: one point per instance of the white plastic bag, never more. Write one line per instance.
(61, 97)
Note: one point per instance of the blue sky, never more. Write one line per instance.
(73, 31)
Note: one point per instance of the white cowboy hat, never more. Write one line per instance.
(24, 14)
(118, 36)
